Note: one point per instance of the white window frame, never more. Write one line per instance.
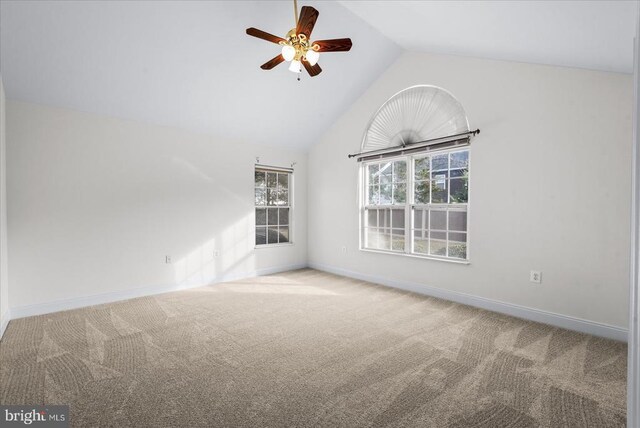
(290, 206)
(409, 206)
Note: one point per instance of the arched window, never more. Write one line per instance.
(415, 176)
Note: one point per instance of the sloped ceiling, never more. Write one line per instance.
(186, 64)
(596, 35)
(190, 65)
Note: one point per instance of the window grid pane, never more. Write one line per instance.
(442, 178)
(384, 229)
(440, 231)
(386, 183)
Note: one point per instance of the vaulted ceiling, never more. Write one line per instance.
(190, 65)
(187, 64)
(597, 35)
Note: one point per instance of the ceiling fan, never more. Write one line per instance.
(297, 46)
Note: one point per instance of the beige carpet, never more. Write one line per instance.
(304, 349)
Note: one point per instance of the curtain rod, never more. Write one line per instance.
(418, 144)
(274, 168)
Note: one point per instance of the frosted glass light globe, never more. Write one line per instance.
(312, 56)
(295, 66)
(288, 52)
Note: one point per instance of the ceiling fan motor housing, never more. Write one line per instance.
(300, 43)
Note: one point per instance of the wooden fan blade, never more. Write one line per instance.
(333, 45)
(313, 70)
(264, 35)
(272, 62)
(307, 20)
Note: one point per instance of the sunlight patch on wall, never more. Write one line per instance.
(220, 257)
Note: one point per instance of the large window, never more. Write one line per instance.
(417, 204)
(273, 206)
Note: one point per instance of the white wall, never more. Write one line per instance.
(96, 203)
(550, 187)
(4, 279)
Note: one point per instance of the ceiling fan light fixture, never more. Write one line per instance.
(288, 52)
(297, 46)
(295, 66)
(312, 57)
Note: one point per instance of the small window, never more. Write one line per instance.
(273, 206)
(417, 204)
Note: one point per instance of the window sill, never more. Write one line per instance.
(260, 247)
(416, 256)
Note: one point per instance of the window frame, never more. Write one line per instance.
(410, 206)
(290, 206)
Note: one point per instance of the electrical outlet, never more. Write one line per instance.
(535, 276)
(167, 259)
(216, 253)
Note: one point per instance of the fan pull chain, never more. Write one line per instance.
(295, 14)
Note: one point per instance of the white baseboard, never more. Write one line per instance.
(563, 321)
(4, 322)
(98, 299)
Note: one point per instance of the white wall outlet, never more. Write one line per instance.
(535, 276)
(216, 253)
(343, 249)
(167, 259)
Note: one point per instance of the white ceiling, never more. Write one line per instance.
(187, 64)
(190, 64)
(596, 35)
